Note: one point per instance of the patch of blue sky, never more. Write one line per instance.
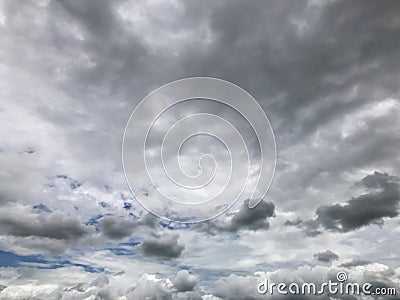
(174, 226)
(175, 216)
(127, 206)
(73, 184)
(104, 204)
(124, 249)
(41, 208)
(94, 221)
(9, 259)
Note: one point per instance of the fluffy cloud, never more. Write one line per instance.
(245, 287)
(119, 227)
(82, 285)
(237, 287)
(115, 227)
(184, 281)
(151, 286)
(163, 245)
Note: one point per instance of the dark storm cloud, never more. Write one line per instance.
(299, 60)
(310, 66)
(304, 54)
(245, 219)
(122, 63)
(165, 245)
(370, 208)
(326, 256)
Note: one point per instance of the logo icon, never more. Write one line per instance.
(193, 147)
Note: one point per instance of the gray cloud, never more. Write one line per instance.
(252, 219)
(380, 180)
(355, 263)
(53, 226)
(119, 227)
(304, 69)
(165, 245)
(326, 256)
(370, 208)
(303, 61)
(245, 219)
(148, 220)
(294, 222)
(365, 209)
(116, 227)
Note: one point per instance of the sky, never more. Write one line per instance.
(327, 75)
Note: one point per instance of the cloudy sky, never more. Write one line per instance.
(326, 73)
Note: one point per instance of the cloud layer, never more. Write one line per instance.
(325, 72)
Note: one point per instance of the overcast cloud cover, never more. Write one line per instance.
(326, 72)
